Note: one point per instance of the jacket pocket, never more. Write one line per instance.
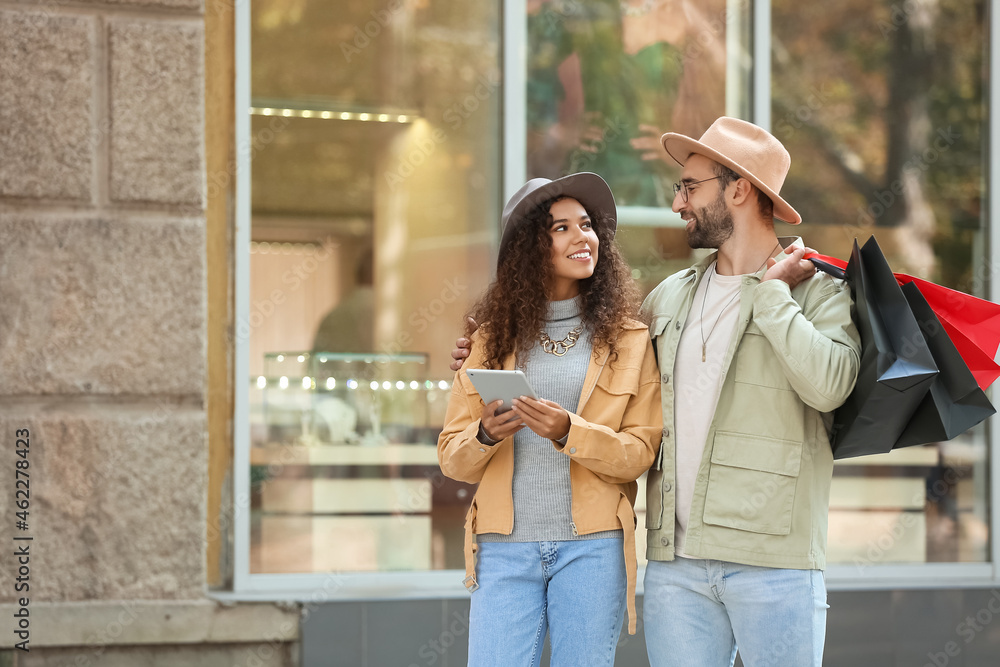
(658, 325)
(756, 362)
(654, 499)
(472, 397)
(612, 393)
(751, 484)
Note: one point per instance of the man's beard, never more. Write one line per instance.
(713, 225)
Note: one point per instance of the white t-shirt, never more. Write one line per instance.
(712, 321)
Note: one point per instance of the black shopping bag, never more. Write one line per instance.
(897, 368)
(954, 403)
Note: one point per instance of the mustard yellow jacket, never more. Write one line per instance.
(613, 439)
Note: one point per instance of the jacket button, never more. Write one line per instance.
(482, 450)
(572, 450)
(666, 486)
(665, 541)
(677, 325)
(665, 378)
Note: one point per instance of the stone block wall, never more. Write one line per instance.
(103, 337)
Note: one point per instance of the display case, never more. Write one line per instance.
(344, 465)
(316, 398)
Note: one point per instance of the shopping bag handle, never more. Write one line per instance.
(835, 267)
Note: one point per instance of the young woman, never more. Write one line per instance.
(550, 535)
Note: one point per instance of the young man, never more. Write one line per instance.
(756, 350)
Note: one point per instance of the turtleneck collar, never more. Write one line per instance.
(565, 310)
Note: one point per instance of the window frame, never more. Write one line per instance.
(345, 586)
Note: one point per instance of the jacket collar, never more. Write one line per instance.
(701, 267)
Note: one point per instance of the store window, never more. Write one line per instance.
(375, 190)
(883, 108)
(377, 181)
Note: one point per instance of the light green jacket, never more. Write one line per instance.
(762, 493)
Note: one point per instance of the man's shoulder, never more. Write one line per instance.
(820, 286)
(661, 295)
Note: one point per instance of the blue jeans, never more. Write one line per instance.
(696, 612)
(575, 589)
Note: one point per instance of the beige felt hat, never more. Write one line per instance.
(750, 151)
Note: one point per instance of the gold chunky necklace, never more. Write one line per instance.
(560, 347)
(708, 285)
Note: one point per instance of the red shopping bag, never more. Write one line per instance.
(973, 324)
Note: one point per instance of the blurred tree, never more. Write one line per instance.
(882, 108)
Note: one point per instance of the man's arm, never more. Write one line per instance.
(819, 349)
(461, 351)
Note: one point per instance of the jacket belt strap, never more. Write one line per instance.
(627, 520)
(470, 550)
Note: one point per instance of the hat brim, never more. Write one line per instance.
(587, 188)
(681, 147)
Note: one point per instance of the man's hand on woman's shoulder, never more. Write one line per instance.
(461, 350)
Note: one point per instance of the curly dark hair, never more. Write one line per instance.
(513, 308)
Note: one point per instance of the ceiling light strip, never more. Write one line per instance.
(326, 114)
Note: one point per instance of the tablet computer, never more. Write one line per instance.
(500, 385)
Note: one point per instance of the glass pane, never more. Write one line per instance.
(605, 80)
(882, 106)
(375, 180)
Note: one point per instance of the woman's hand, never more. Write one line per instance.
(500, 426)
(546, 418)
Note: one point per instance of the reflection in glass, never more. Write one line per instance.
(883, 110)
(375, 191)
(606, 79)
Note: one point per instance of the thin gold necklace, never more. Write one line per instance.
(701, 322)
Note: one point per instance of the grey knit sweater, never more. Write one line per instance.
(541, 488)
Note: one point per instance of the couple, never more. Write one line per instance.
(727, 398)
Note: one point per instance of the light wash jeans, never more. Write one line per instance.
(696, 612)
(575, 589)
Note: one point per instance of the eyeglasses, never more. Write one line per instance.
(682, 187)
